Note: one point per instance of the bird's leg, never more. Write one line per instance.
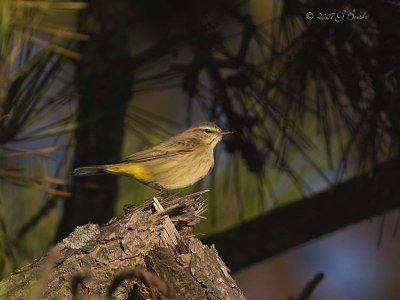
(163, 193)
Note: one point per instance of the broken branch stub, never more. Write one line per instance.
(147, 253)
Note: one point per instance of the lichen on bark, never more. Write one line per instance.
(147, 253)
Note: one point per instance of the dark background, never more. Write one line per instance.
(313, 102)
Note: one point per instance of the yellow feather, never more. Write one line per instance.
(135, 170)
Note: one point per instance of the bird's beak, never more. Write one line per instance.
(227, 132)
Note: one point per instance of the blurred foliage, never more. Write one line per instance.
(284, 86)
(34, 49)
(302, 96)
(264, 81)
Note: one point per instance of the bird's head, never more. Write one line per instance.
(207, 132)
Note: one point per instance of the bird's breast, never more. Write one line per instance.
(182, 170)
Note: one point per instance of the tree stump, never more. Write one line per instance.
(147, 253)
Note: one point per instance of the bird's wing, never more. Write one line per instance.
(168, 148)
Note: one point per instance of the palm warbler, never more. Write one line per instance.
(178, 162)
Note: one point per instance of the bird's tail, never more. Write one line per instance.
(88, 171)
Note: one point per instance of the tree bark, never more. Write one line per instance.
(147, 253)
(359, 198)
(104, 80)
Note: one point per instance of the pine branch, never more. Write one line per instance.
(354, 200)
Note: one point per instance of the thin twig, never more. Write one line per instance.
(310, 287)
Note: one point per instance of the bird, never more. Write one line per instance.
(176, 163)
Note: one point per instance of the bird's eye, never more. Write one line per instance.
(207, 130)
